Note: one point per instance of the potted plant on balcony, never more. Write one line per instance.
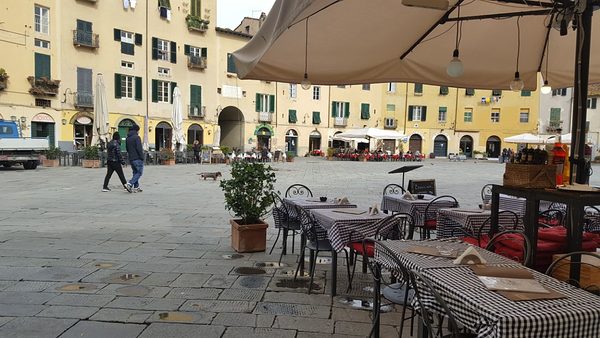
(43, 86)
(91, 157)
(167, 156)
(248, 194)
(3, 78)
(51, 157)
(196, 23)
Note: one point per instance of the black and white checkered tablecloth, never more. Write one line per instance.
(416, 208)
(490, 314)
(518, 205)
(449, 220)
(339, 226)
(309, 203)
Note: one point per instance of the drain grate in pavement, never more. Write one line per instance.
(128, 276)
(290, 283)
(271, 265)
(244, 270)
(76, 287)
(232, 256)
(175, 316)
(300, 310)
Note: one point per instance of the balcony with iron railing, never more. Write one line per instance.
(84, 100)
(265, 116)
(85, 39)
(340, 121)
(553, 126)
(198, 62)
(196, 111)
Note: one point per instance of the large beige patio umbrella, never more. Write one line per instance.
(356, 41)
(177, 120)
(100, 132)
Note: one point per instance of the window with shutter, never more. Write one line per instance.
(154, 48)
(390, 107)
(118, 93)
(42, 66)
(364, 111)
(258, 103)
(195, 100)
(230, 64)
(271, 103)
(154, 90)
(316, 117)
(292, 118)
(468, 116)
(444, 90)
(138, 39)
(173, 48)
(442, 114)
(554, 114)
(525, 92)
(316, 93)
(346, 109)
(418, 88)
(469, 92)
(524, 116)
(334, 109)
(411, 113)
(138, 88)
(84, 96)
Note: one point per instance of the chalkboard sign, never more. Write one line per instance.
(421, 187)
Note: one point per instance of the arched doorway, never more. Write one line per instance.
(162, 136)
(231, 121)
(492, 146)
(83, 128)
(466, 145)
(314, 140)
(123, 129)
(337, 143)
(263, 137)
(291, 141)
(440, 146)
(195, 132)
(415, 142)
(42, 126)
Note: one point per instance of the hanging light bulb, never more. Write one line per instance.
(516, 84)
(546, 89)
(305, 83)
(455, 67)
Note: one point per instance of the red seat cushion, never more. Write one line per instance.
(430, 223)
(473, 241)
(358, 247)
(549, 221)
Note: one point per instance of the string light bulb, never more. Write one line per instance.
(305, 84)
(546, 89)
(517, 84)
(455, 68)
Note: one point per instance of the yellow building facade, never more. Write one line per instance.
(143, 50)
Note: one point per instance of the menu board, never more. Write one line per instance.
(421, 187)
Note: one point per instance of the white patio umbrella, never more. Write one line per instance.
(369, 133)
(177, 120)
(526, 138)
(565, 138)
(100, 132)
(217, 136)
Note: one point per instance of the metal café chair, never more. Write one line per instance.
(430, 214)
(393, 189)
(285, 220)
(298, 190)
(512, 244)
(486, 194)
(561, 267)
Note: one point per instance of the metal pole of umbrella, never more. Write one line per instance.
(579, 167)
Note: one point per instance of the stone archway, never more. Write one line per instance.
(440, 146)
(493, 146)
(162, 136)
(123, 129)
(231, 121)
(466, 145)
(83, 129)
(42, 126)
(415, 143)
(314, 140)
(195, 132)
(291, 141)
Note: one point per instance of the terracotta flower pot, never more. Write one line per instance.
(50, 163)
(248, 237)
(168, 162)
(91, 163)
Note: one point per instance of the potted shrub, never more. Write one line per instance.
(478, 154)
(3, 78)
(248, 196)
(91, 157)
(167, 156)
(51, 155)
(289, 156)
(330, 153)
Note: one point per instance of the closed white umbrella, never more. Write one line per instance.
(100, 132)
(565, 138)
(177, 120)
(217, 136)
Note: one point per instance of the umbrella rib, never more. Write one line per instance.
(440, 21)
(502, 15)
(531, 3)
(315, 13)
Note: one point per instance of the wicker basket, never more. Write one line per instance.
(530, 175)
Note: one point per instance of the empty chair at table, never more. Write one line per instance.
(589, 265)
(550, 218)
(507, 220)
(512, 244)
(298, 190)
(393, 189)
(430, 214)
(286, 220)
(486, 194)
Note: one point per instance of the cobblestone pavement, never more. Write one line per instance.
(78, 262)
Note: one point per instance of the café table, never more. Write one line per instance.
(416, 208)
(309, 203)
(339, 225)
(450, 221)
(487, 313)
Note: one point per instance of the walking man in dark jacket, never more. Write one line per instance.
(136, 158)
(114, 163)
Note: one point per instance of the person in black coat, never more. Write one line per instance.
(114, 162)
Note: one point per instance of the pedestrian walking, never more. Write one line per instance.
(196, 149)
(114, 162)
(136, 158)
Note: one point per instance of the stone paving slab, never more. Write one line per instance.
(242, 294)
(160, 279)
(74, 299)
(29, 327)
(4, 320)
(304, 324)
(122, 315)
(316, 311)
(91, 329)
(297, 298)
(194, 293)
(150, 267)
(85, 288)
(29, 298)
(251, 282)
(140, 303)
(218, 306)
(135, 290)
(68, 311)
(220, 281)
(162, 330)
(21, 310)
(240, 332)
(197, 317)
(29, 286)
(190, 280)
(193, 267)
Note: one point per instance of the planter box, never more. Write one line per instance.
(249, 237)
(50, 163)
(90, 163)
(530, 175)
(167, 162)
(289, 159)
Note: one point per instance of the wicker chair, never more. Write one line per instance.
(286, 220)
(298, 190)
(558, 267)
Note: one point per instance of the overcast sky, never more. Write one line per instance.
(231, 12)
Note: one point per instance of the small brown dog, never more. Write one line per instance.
(213, 175)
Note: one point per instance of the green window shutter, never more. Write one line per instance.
(271, 103)
(230, 64)
(154, 48)
(171, 89)
(364, 111)
(443, 109)
(138, 88)
(154, 90)
(127, 48)
(346, 109)
(118, 93)
(444, 90)
(186, 49)
(424, 113)
(138, 39)
(195, 96)
(258, 102)
(42, 66)
(525, 92)
(204, 52)
(117, 34)
(411, 113)
(496, 92)
(469, 92)
(292, 116)
(173, 52)
(418, 88)
(334, 109)
(193, 7)
(316, 117)
(594, 101)
(554, 114)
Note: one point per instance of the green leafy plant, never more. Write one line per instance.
(3, 74)
(91, 153)
(291, 154)
(330, 152)
(205, 148)
(248, 192)
(226, 150)
(166, 154)
(189, 147)
(196, 22)
(52, 153)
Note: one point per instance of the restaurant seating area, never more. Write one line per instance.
(410, 257)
